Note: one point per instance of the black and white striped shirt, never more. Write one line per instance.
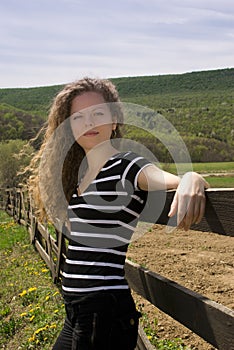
(102, 222)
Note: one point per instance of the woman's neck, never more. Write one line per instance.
(97, 156)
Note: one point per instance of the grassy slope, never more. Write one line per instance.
(31, 306)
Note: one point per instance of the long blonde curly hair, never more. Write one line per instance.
(54, 168)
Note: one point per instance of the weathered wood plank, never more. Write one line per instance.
(211, 321)
(218, 216)
(143, 342)
(46, 257)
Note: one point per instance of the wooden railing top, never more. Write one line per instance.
(218, 216)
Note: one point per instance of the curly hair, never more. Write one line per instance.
(54, 168)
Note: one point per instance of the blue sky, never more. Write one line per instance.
(47, 42)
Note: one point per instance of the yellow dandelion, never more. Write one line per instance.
(23, 293)
(39, 330)
(56, 311)
(23, 314)
(32, 289)
(47, 297)
(31, 339)
(44, 270)
(55, 293)
(31, 318)
(53, 325)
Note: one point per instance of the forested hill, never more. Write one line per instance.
(200, 105)
(176, 83)
(39, 98)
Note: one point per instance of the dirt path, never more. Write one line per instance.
(200, 261)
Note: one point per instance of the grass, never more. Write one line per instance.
(221, 181)
(31, 306)
(212, 167)
(151, 330)
(223, 169)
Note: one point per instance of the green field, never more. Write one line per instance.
(221, 181)
(31, 307)
(218, 167)
(218, 174)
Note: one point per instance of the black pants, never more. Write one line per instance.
(102, 321)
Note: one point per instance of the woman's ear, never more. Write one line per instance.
(114, 123)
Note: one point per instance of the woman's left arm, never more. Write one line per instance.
(189, 200)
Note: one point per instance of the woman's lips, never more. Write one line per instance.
(91, 133)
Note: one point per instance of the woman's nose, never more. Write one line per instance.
(89, 120)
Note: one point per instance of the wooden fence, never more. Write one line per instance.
(211, 321)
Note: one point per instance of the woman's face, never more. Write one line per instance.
(91, 120)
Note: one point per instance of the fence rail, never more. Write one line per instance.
(211, 321)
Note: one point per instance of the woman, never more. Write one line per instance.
(101, 211)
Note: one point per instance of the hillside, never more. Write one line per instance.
(200, 105)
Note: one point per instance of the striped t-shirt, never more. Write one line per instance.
(102, 221)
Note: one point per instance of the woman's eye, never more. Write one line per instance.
(98, 114)
(77, 116)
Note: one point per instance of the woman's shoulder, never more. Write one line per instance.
(128, 155)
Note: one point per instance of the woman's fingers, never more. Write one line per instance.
(190, 210)
(174, 206)
(189, 200)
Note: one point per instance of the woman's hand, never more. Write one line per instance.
(189, 200)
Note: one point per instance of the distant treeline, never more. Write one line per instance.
(200, 105)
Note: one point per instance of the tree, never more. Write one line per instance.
(11, 161)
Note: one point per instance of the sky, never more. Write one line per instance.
(49, 42)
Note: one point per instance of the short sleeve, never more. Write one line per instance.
(134, 165)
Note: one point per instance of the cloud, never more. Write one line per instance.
(47, 42)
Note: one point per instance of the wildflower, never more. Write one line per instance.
(23, 314)
(47, 297)
(56, 311)
(31, 318)
(32, 289)
(53, 325)
(31, 339)
(44, 270)
(23, 293)
(39, 330)
(55, 293)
